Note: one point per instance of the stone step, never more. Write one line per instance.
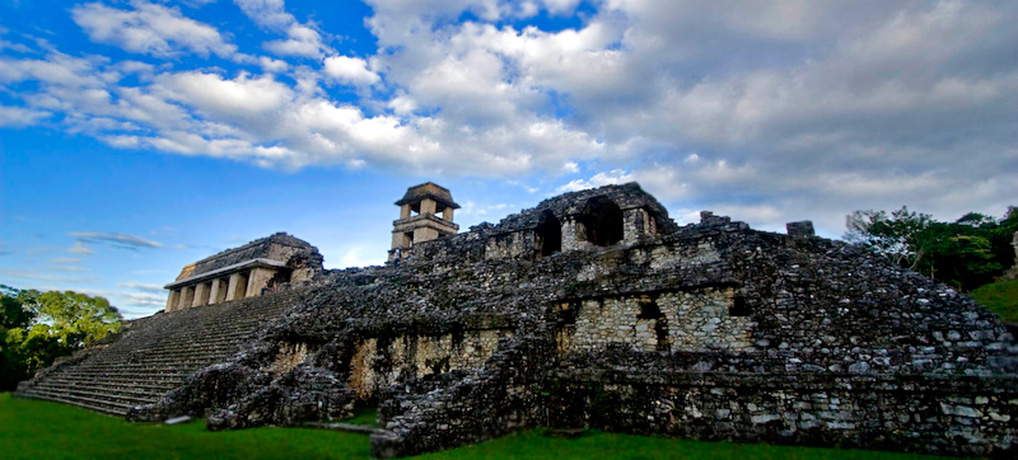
(143, 381)
(131, 400)
(119, 390)
(220, 334)
(155, 355)
(98, 405)
(185, 346)
(97, 408)
(134, 375)
(188, 352)
(168, 358)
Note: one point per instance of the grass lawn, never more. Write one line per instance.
(32, 429)
(1001, 298)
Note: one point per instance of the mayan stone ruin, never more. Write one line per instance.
(591, 310)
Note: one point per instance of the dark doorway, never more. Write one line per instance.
(548, 235)
(602, 221)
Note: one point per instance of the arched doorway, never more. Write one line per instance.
(602, 221)
(548, 235)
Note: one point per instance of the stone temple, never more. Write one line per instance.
(591, 310)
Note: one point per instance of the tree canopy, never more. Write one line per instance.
(37, 328)
(966, 253)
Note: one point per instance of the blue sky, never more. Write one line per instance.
(138, 136)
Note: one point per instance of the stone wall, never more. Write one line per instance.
(442, 411)
(381, 362)
(939, 415)
(666, 321)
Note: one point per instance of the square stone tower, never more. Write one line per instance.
(425, 213)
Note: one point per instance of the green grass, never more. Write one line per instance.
(1001, 298)
(364, 416)
(32, 429)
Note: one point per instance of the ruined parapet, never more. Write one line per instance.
(800, 229)
(425, 214)
(600, 217)
(246, 271)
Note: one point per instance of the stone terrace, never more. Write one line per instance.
(154, 355)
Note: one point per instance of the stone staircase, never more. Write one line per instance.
(154, 355)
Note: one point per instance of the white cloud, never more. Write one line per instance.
(146, 287)
(738, 103)
(116, 239)
(350, 70)
(613, 177)
(229, 99)
(301, 41)
(143, 299)
(150, 29)
(266, 13)
(15, 117)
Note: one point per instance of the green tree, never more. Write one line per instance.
(899, 236)
(37, 328)
(16, 315)
(966, 253)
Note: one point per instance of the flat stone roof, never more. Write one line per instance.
(260, 262)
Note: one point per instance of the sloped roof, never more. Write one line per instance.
(428, 190)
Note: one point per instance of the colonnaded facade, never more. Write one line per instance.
(591, 310)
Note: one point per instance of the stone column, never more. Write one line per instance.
(637, 225)
(173, 299)
(404, 211)
(571, 238)
(258, 279)
(428, 207)
(186, 297)
(219, 288)
(447, 214)
(235, 287)
(215, 292)
(201, 295)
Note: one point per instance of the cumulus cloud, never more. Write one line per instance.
(15, 117)
(151, 29)
(757, 107)
(613, 177)
(350, 70)
(302, 40)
